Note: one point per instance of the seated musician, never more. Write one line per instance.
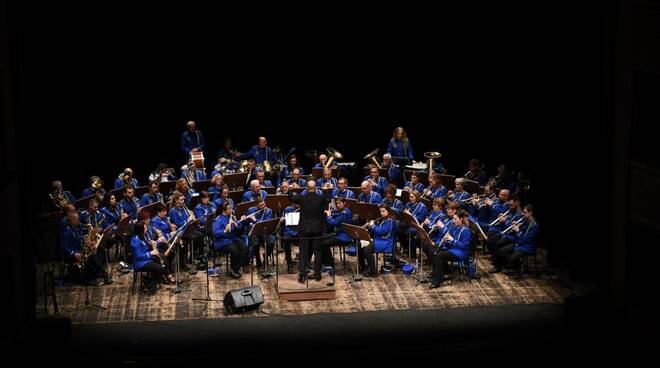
(60, 197)
(498, 206)
(183, 188)
(341, 215)
(497, 236)
(454, 246)
(287, 171)
(378, 183)
(261, 177)
(198, 173)
(390, 198)
(260, 152)
(524, 242)
(399, 146)
(253, 215)
(413, 184)
(204, 208)
(296, 181)
(90, 190)
(180, 215)
(112, 212)
(327, 181)
(284, 188)
(92, 216)
(479, 207)
(290, 233)
(66, 211)
(126, 179)
(383, 234)
(152, 196)
(459, 195)
(503, 180)
(476, 173)
(418, 210)
(342, 190)
(163, 173)
(217, 185)
(73, 239)
(145, 255)
(192, 140)
(130, 204)
(368, 195)
(435, 188)
(255, 191)
(224, 198)
(393, 170)
(436, 219)
(322, 160)
(226, 238)
(156, 239)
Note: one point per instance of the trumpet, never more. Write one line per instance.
(499, 217)
(517, 222)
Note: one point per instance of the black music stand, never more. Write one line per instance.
(409, 220)
(201, 185)
(241, 208)
(193, 224)
(166, 186)
(83, 203)
(208, 229)
(149, 210)
(424, 238)
(264, 228)
(234, 181)
(278, 202)
(140, 191)
(174, 244)
(358, 233)
(236, 196)
(123, 228)
(365, 211)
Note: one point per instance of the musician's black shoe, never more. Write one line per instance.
(317, 276)
(433, 285)
(289, 268)
(235, 274)
(302, 278)
(107, 279)
(371, 274)
(495, 270)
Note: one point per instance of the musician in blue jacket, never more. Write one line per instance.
(524, 244)
(418, 210)
(224, 198)
(296, 181)
(290, 232)
(321, 164)
(390, 198)
(180, 215)
(459, 195)
(254, 192)
(435, 188)
(436, 219)
(454, 246)
(393, 170)
(287, 171)
(112, 213)
(226, 238)
(92, 216)
(192, 140)
(327, 181)
(260, 152)
(126, 179)
(130, 204)
(335, 218)
(199, 173)
(152, 196)
(399, 145)
(383, 241)
(378, 183)
(499, 234)
(89, 191)
(72, 237)
(413, 184)
(368, 195)
(253, 215)
(342, 190)
(204, 208)
(218, 185)
(57, 195)
(162, 223)
(145, 255)
(260, 176)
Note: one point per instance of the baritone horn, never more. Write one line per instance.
(333, 155)
(371, 156)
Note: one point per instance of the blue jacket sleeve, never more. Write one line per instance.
(139, 251)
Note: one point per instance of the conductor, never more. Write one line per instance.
(312, 218)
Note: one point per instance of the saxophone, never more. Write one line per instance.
(90, 245)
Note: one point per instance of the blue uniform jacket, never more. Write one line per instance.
(337, 218)
(372, 197)
(192, 140)
(141, 252)
(384, 236)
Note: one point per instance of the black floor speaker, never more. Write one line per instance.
(241, 300)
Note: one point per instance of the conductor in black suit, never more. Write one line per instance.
(312, 220)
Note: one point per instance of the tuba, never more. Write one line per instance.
(333, 155)
(59, 199)
(371, 156)
(97, 184)
(432, 156)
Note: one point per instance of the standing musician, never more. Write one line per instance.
(390, 198)
(183, 188)
(215, 190)
(126, 179)
(418, 210)
(261, 177)
(524, 242)
(342, 191)
(254, 192)
(296, 181)
(152, 196)
(414, 184)
(287, 171)
(94, 181)
(368, 195)
(260, 152)
(59, 197)
(145, 254)
(204, 208)
(310, 227)
(497, 238)
(454, 246)
(253, 215)
(226, 238)
(335, 218)
(459, 195)
(399, 145)
(328, 181)
(383, 232)
(180, 215)
(192, 139)
(290, 232)
(130, 204)
(378, 183)
(435, 188)
(224, 198)
(476, 172)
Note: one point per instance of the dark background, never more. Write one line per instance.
(95, 90)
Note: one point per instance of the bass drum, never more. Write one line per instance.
(197, 158)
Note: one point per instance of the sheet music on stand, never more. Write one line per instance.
(476, 228)
(292, 218)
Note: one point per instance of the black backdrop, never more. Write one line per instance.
(108, 90)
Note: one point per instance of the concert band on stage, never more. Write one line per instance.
(455, 212)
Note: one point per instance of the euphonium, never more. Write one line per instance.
(333, 155)
(371, 156)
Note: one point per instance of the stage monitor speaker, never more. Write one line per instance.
(241, 300)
